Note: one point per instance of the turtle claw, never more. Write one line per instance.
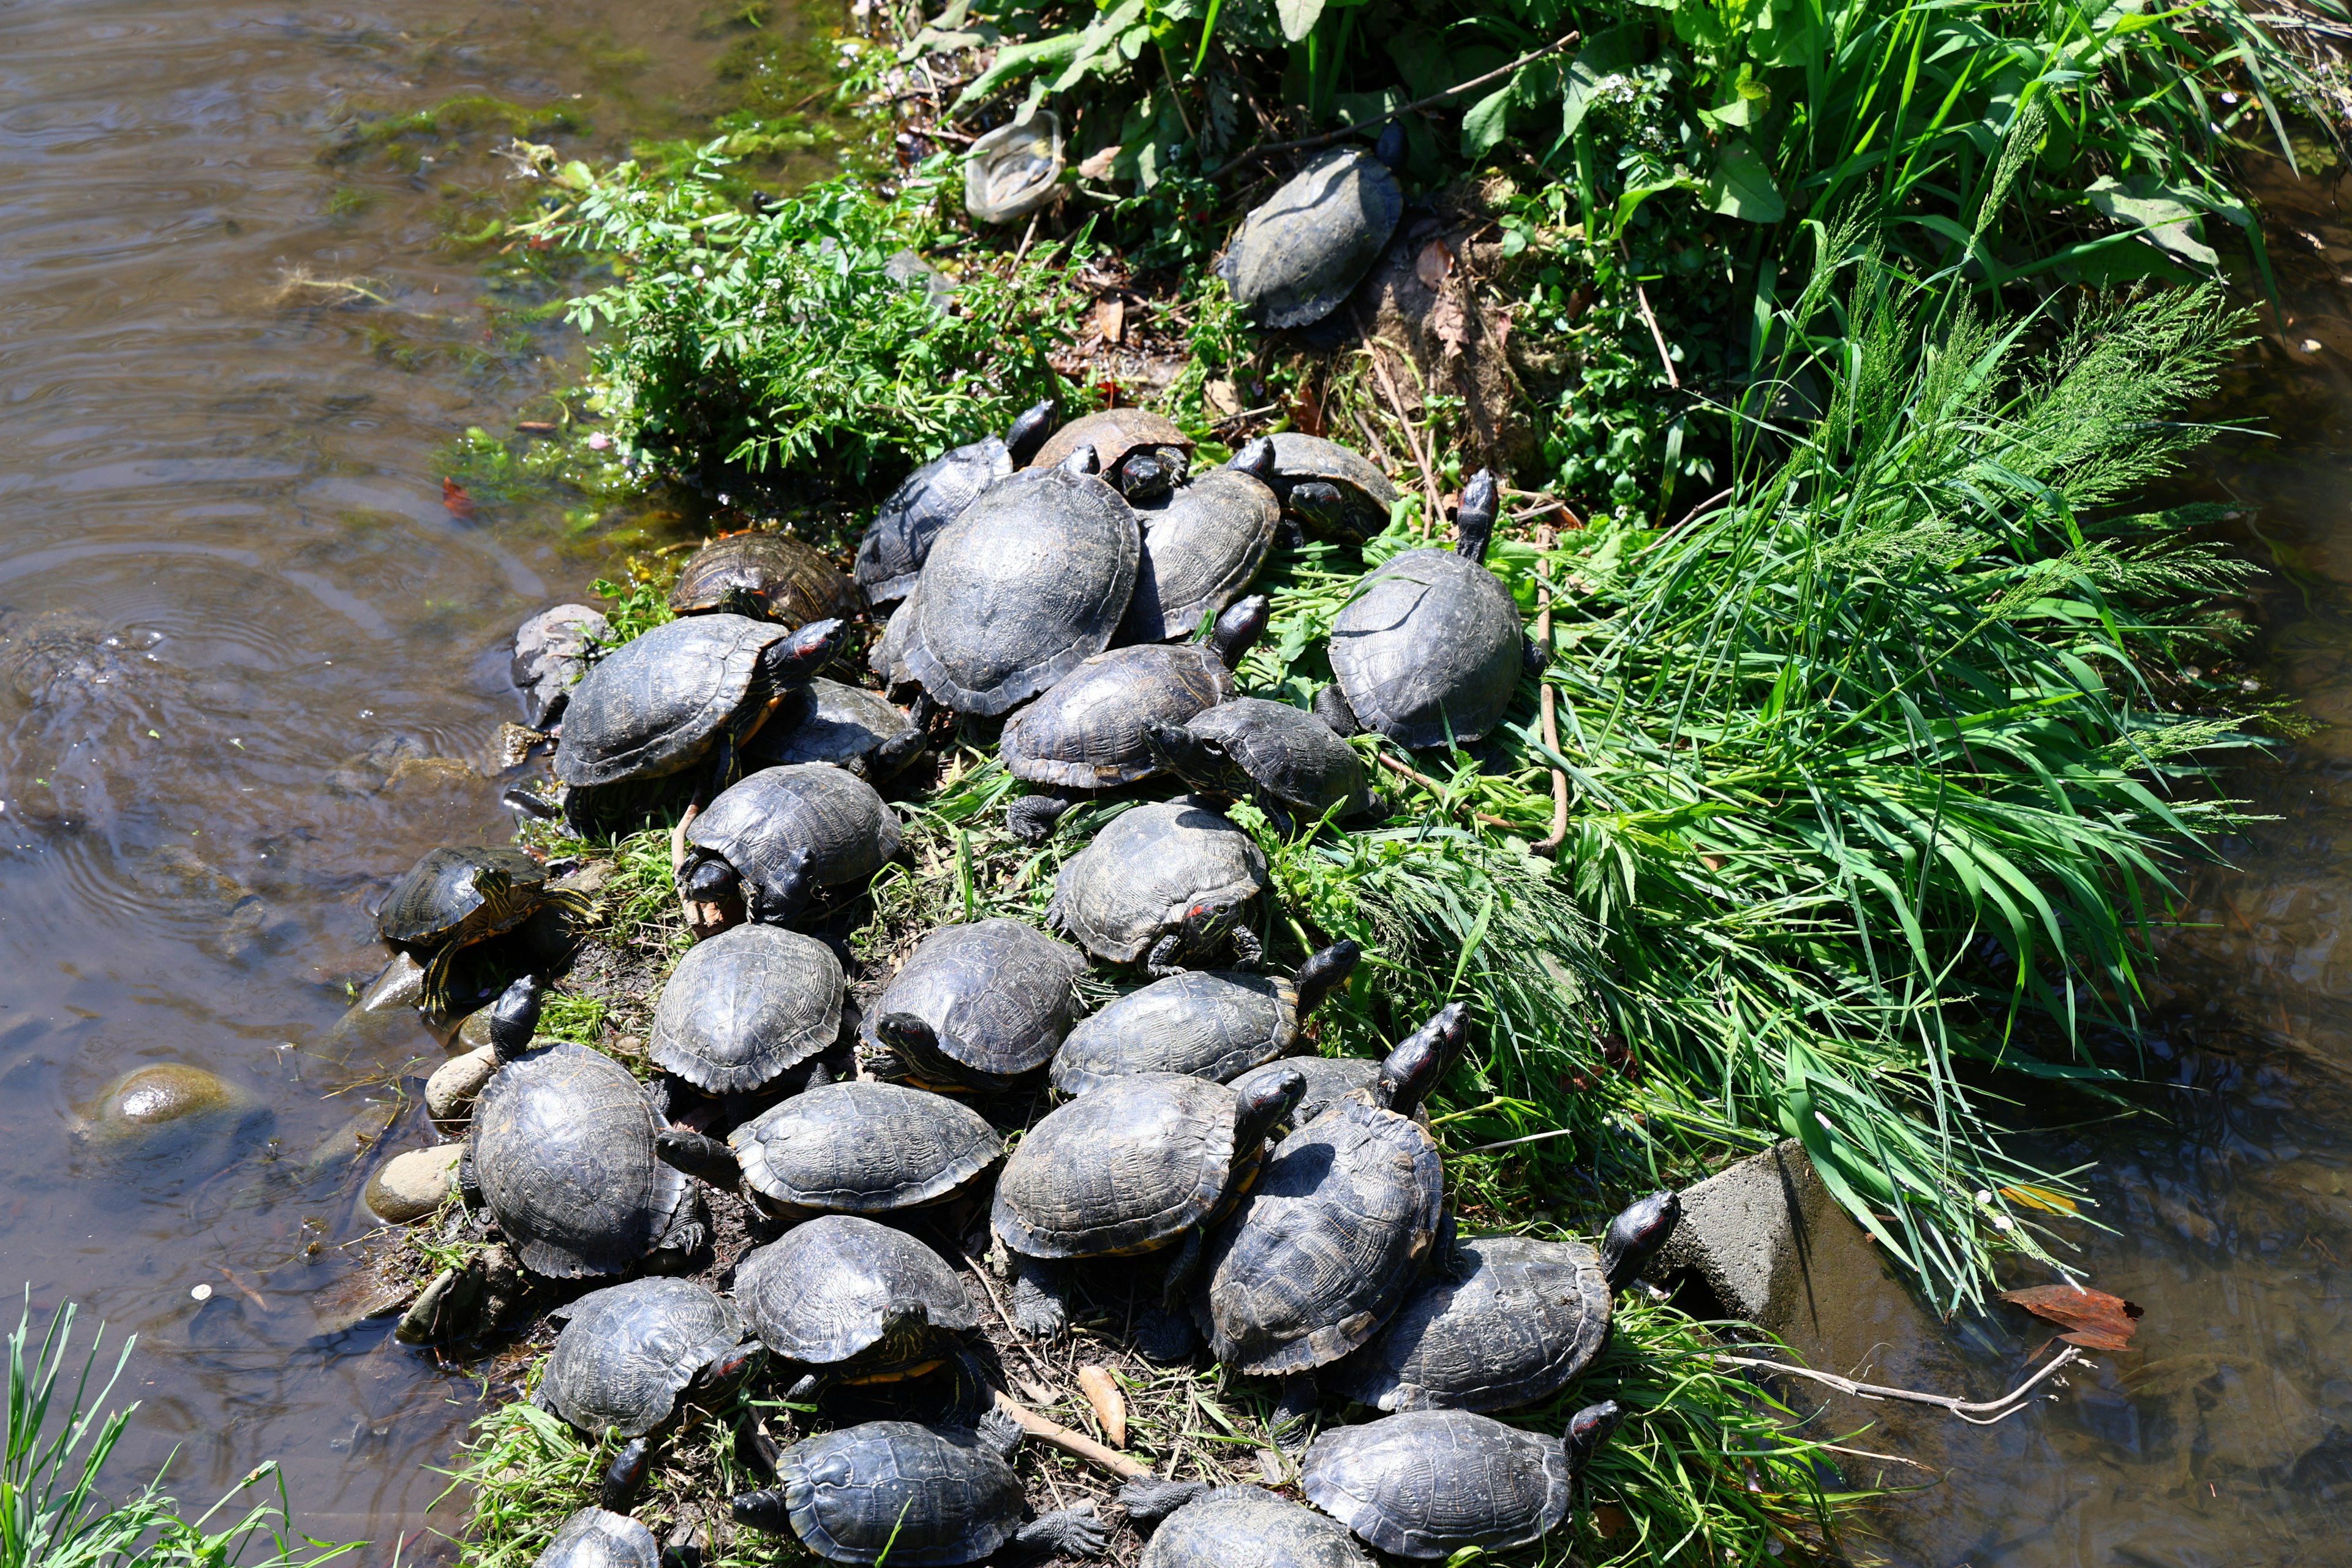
(1294, 1415)
(1069, 1533)
(1039, 1311)
(1148, 1501)
(1163, 1336)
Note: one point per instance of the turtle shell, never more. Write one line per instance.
(746, 1006)
(1202, 547)
(1124, 1170)
(1134, 883)
(447, 893)
(1365, 491)
(1304, 250)
(1207, 1022)
(563, 1144)
(630, 1350)
(827, 721)
(887, 657)
(1431, 1483)
(1114, 434)
(1249, 1527)
(1287, 751)
(1329, 1080)
(594, 1538)
(1087, 732)
(758, 826)
(1326, 1245)
(1431, 646)
(891, 555)
(656, 704)
(997, 994)
(927, 1496)
(863, 1147)
(793, 581)
(1510, 1321)
(836, 1290)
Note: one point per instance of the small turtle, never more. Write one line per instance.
(1431, 650)
(925, 1496)
(1142, 1163)
(1144, 454)
(1165, 883)
(747, 1006)
(626, 1355)
(1086, 733)
(453, 898)
(1343, 1221)
(1285, 758)
(1304, 250)
(1433, 1482)
(780, 835)
(976, 1007)
(847, 726)
(891, 555)
(763, 576)
(887, 657)
(1329, 490)
(599, 1538)
(1207, 1022)
(858, 1147)
(1329, 1080)
(1203, 546)
(1200, 1526)
(852, 1301)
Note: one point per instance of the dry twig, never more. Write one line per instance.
(1982, 1413)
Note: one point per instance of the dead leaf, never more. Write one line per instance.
(1499, 323)
(2093, 1319)
(1099, 166)
(535, 427)
(1222, 397)
(1431, 266)
(1110, 1406)
(1035, 1393)
(2040, 1198)
(1450, 323)
(1607, 1520)
(454, 497)
(1110, 319)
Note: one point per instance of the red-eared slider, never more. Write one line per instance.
(1431, 650)
(925, 1496)
(453, 898)
(848, 1300)
(891, 555)
(747, 1006)
(845, 1148)
(1304, 250)
(1086, 733)
(1142, 1163)
(1286, 758)
(1203, 546)
(1433, 1482)
(626, 1354)
(1141, 454)
(1028, 584)
(1207, 1022)
(1329, 490)
(1166, 883)
(1505, 1320)
(1202, 1526)
(976, 1007)
(779, 837)
(847, 726)
(1341, 1224)
(1329, 1080)
(599, 1538)
(887, 657)
(765, 576)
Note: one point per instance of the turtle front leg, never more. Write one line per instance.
(1040, 1301)
(1165, 1332)
(1162, 961)
(1534, 658)
(625, 1476)
(1294, 1413)
(1149, 1501)
(754, 1449)
(1248, 951)
(1032, 818)
(1073, 1532)
(1277, 815)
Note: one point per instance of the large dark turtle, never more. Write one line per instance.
(600, 1538)
(1086, 733)
(777, 838)
(1207, 1022)
(891, 555)
(976, 1007)
(1200, 1526)
(1143, 1162)
(1329, 490)
(847, 726)
(925, 1496)
(1505, 1319)
(1431, 650)
(858, 1147)
(1431, 1482)
(1329, 1080)
(746, 1006)
(1142, 454)
(1203, 546)
(626, 1355)
(1304, 250)
(1029, 583)
(887, 657)
(1285, 758)
(848, 1300)
(1167, 883)
(765, 576)
(455, 897)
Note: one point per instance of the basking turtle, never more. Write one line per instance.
(847, 726)
(1331, 491)
(1329, 1080)
(1285, 758)
(1027, 584)
(1203, 546)
(852, 1301)
(747, 1006)
(891, 555)
(858, 1147)
(1303, 250)
(765, 576)
(1144, 1162)
(1207, 1022)
(1431, 650)
(925, 1496)
(777, 838)
(1142, 454)
(453, 898)
(1431, 1482)
(1086, 733)
(599, 1538)
(1200, 1526)
(976, 1007)
(1166, 883)
(1341, 1224)
(626, 1355)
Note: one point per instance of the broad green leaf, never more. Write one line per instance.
(1603, 55)
(1299, 17)
(1742, 187)
(2158, 212)
(1483, 125)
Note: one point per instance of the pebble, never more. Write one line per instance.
(412, 1186)
(450, 1092)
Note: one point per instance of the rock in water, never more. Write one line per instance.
(550, 651)
(450, 1092)
(172, 1110)
(412, 1185)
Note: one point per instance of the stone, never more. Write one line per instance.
(1750, 1231)
(550, 652)
(347, 1143)
(172, 1108)
(364, 1292)
(412, 1185)
(399, 983)
(449, 1093)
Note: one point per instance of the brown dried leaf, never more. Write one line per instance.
(2093, 1319)
(1099, 166)
(1431, 266)
(1222, 397)
(1111, 1405)
(1449, 323)
(1110, 319)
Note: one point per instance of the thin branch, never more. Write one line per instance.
(1077, 1444)
(1430, 784)
(1642, 298)
(1515, 1143)
(1546, 540)
(1984, 1413)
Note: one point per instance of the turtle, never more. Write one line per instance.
(857, 1147)
(561, 1152)
(887, 657)
(1144, 454)
(1428, 1483)
(763, 576)
(626, 1354)
(600, 1538)
(1342, 1223)
(848, 726)
(1303, 250)
(778, 837)
(853, 1301)
(1200, 1526)
(456, 896)
(1331, 492)
(1329, 1080)
(1203, 546)
(1165, 883)
(1144, 1162)
(891, 555)
(1505, 1321)
(745, 1007)
(1431, 650)
(976, 1007)
(1027, 584)
(1285, 758)
(925, 1496)
(1086, 733)
(1209, 1023)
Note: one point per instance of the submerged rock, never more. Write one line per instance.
(550, 653)
(172, 1110)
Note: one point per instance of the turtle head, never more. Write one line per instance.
(743, 599)
(1238, 629)
(1390, 148)
(705, 879)
(1148, 476)
(911, 1040)
(1081, 459)
(1474, 521)
(1208, 921)
(905, 1330)
(1201, 760)
(792, 662)
(794, 886)
(1636, 1235)
(1273, 1096)
(1325, 973)
(1587, 1430)
(1422, 1058)
(1255, 459)
(1027, 433)
(1319, 507)
(514, 1017)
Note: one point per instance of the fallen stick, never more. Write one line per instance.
(1641, 298)
(1075, 1444)
(1979, 1413)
